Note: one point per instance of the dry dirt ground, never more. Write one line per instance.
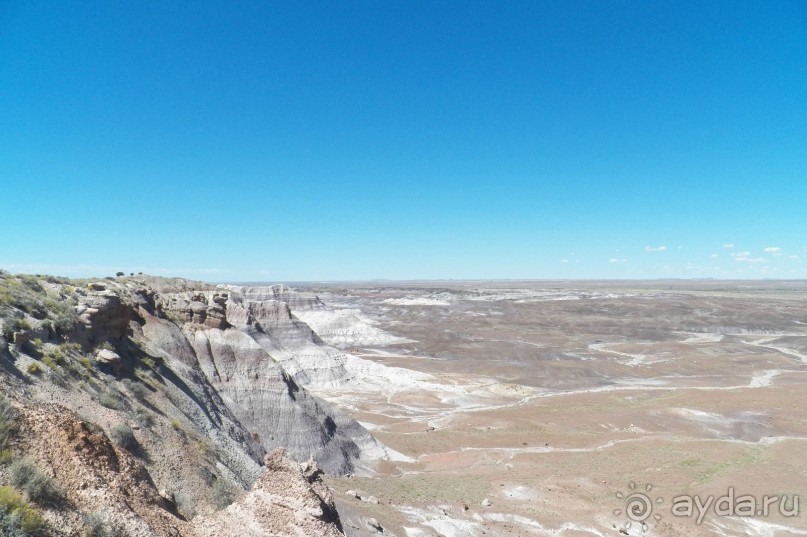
(550, 398)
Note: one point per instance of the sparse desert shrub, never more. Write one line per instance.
(14, 324)
(95, 525)
(74, 369)
(123, 436)
(8, 418)
(185, 505)
(27, 294)
(86, 362)
(207, 475)
(48, 361)
(175, 425)
(112, 399)
(143, 418)
(56, 355)
(34, 369)
(11, 525)
(153, 363)
(204, 449)
(64, 321)
(6, 456)
(222, 494)
(70, 347)
(8, 328)
(30, 281)
(17, 518)
(137, 389)
(39, 488)
(59, 379)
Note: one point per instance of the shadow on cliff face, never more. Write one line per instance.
(7, 363)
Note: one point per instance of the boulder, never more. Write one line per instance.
(108, 357)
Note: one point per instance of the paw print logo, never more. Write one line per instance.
(638, 506)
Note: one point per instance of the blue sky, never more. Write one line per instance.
(288, 141)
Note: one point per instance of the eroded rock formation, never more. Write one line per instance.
(195, 384)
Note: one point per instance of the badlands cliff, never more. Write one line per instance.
(166, 407)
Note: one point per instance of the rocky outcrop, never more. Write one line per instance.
(280, 293)
(260, 358)
(93, 475)
(195, 396)
(101, 315)
(198, 382)
(289, 341)
(205, 309)
(345, 328)
(341, 328)
(272, 405)
(97, 477)
(289, 499)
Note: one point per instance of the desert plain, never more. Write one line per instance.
(540, 408)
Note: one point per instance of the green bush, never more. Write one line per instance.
(64, 321)
(70, 347)
(39, 488)
(17, 518)
(28, 295)
(153, 363)
(55, 355)
(34, 368)
(6, 456)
